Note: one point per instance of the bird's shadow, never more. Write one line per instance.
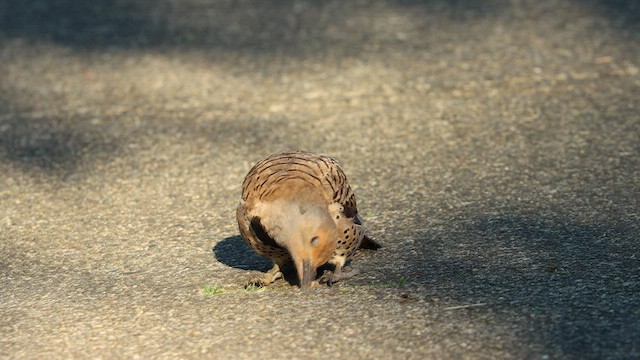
(234, 252)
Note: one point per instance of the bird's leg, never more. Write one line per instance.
(268, 277)
(332, 277)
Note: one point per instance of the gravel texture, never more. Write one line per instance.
(494, 147)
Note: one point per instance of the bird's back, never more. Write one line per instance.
(299, 176)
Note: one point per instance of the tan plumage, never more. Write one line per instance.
(298, 206)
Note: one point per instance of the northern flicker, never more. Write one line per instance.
(297, 206)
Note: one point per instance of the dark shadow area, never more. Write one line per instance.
(256, 25)
(624, 13)
(53, 146)
(234, 252)
(65, 148)
(78, 22)
(577, 285)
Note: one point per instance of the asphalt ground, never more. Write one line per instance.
(494, 147)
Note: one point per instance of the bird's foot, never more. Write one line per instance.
(268, 278)
(331, 278)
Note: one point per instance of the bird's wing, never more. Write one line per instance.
(255, 236)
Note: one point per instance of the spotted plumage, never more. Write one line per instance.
(298, 206)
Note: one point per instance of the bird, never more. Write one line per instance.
(297, 207)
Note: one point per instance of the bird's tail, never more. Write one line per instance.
(369, 243)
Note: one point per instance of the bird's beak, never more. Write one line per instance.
(306, 273)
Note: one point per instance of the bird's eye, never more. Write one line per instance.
(315, 240)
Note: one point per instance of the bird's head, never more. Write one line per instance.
(311, 239)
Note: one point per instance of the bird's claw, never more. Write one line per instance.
(268, 278)
(330, 278)
(257, 282)
(326, 278)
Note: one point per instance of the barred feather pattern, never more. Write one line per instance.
(320, 172)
